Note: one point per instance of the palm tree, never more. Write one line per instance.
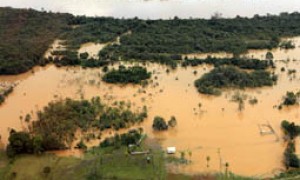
(207, 161)
(190, 154)
(226, 168)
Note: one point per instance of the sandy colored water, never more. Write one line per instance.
(92, 49)
(278, 54)
(217, 129)
(290, 54)
(57, 45)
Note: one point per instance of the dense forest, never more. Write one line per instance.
(180, 36)
(26, 34)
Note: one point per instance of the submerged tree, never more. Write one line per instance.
(159, 124)
(239, 98)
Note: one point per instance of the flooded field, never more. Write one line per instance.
(207, 126)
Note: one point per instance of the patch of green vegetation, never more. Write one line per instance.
(291, 98)
(135, 75)
(238, 62)
(290, 174)
(69, 57)
(181, 36)
(291, 130)
(97, 163)
(232, 77)
(25, 36)
(97, 29)
(159, 123)
(5, 93)
(57, 123)
(132, 137)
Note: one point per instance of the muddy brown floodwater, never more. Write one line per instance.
(216, 129)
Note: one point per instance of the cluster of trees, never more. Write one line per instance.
(117, 118)
(239, 62)
(5, 93)
(70, 58)
(291, 98)
(57, 123)
(160, 124)
(132, 137)
(135, 74)
(23, 143)
(292, 131)
(232, 77)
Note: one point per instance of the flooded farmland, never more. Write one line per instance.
(207, 126)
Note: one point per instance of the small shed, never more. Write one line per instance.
(171, 150)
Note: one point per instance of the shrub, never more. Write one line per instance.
(159, 124)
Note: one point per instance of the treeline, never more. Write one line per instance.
(57, 123)
(25, 36)
(291, 130)
(115, 52)
(239, 62)
(232, 77)
(181, 36)
(96, 29)
(70, 58)
(135, 75)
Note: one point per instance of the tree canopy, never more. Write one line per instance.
(135, 74)
(232, 77)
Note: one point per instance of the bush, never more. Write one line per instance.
(290, 129)
(159, 124)
(172, 122)
(290, 99)
(19, 143)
